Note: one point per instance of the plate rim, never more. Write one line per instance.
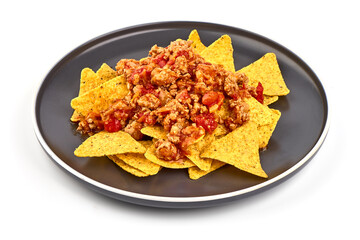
(155, 198)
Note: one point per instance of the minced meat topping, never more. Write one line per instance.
(178, 89)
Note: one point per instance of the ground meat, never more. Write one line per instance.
(163, 77)
(166, 150)
(240, 114)
(149, 101)
(133, 129)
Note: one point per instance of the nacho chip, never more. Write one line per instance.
(106, 73)
(266, 70)
(157, 132)
(265, 131)
(105, 143)
(239, 148)
(224, 111)
(127, 167)
(270, 99)
(194, 151)
(101, 97)
(196, 173)
(197, 44)
(138, 160)
(150, 154)
(259, 113)
(88, 80)
(221, 130)
(220, 52)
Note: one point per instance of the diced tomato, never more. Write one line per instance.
(259, 93)
(112, 125)
(207, 121)
(211, 98)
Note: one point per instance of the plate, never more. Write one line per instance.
(300, 132)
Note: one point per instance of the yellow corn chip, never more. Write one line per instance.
(220, 52)
(197, 44)
(196, 173)
(157, 132)
(220, 131)
(101, 97)
(266, 70)
(194, 151)
(138, 160)
(265, 131)
(239, 148)
(89, 80)
(259, 113)
(127, 167)
(224, 111)
(106, 73)
(150, 154)
(105, 143)
(270, 99)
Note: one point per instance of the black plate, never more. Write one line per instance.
(299, 134)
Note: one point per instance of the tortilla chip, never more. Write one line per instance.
(270, 99)
(194, 151)
(102, 97)
(127, 167)
(265, 131)
(266, 70)
(224, 111)
(157, 132)
(220, 131)
(196, 173)
(259, 113)
(106, 73)
(105, 143)
(150, 154)
(197, 44)
(220, 52)
(138, 160)
(88, 80)
(239, 148)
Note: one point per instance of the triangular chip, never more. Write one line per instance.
(270, 99)
(266, 70)
(197, 44)
(150, 154)
(194, 151)
(239, 148)
(221, 130)
(220, 52)
(127, 167)
(259, 113)
(90, 80)
(265, 131)
(105, 143)
(157, 132)
(105, 72)
(138, 160)
(196, 173)
(102, 97)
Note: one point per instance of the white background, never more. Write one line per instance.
(40, 201)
